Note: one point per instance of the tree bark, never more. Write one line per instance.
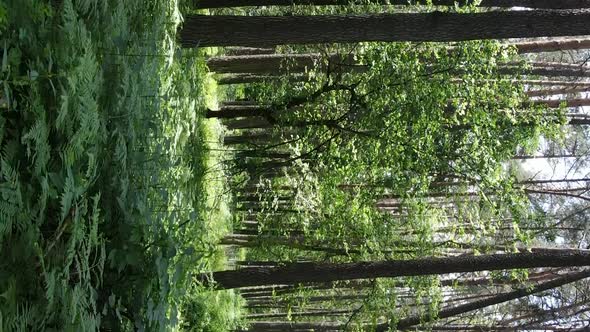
(275, 63)
(558, 91)
(552, 45)
(501, 298)
(249, 123)
(257, 68)
(573, 84)
(248, 50)
(252, 138)
(221, 30)
(546, 71)
(555, 103)
(324, 272)
(547, 4)
(249, 78)
(294, 326)
(300, 314)
(231, 112)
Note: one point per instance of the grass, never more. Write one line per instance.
(107, 202)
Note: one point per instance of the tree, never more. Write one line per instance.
(201, 30)
(324, 272)
(547, 4)
(500, 298)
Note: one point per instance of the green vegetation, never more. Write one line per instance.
(105, 210)
(333, 187)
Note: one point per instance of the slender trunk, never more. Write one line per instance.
(276, 63)
(248, 78)
(545, 71)
(263, 154)
(290, 242)
(577, 102)
(231, 112)
(558, 91)
(293, 326)
(548, 156)
(247, 138)
(312, 299)
(319, 313)
(202, 30)
(547, 4)
(239, 103)
(324, 272)
(573, 84)
(248, 50)
(249, 123)
(498, 328)
(476, 305)
(552, 45)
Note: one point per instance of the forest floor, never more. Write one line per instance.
(109, 205)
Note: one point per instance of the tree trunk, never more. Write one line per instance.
(278, 64)
(252, 138)
(275, 63)
(573, 84)
(558, 91)
(552, 45)
(231, 112)
(248, 78)
(324, 272)
(249, 123)
(578, 102)
(301, 314)
(293, 326)
(202, 30)
(547, 4)
(248, 50)
(546, 71)
(501, 298)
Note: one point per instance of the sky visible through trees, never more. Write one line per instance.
(294, 165)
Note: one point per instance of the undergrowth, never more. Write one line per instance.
(106, 207)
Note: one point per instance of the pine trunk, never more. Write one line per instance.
(232, 112)
(558, 91)
(324, 272)
(552, 45)
(547, 4)
(221, 30)
(276, 63)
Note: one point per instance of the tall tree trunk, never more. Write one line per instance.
(557, 91)
(555, 103)
(300, 314)
(546, 71)
(547, 4)
(323, 272)
(552, 45)
(573, 84)
(293, 326)
(249, 78)
(472, 306)
(249, 123)
(275, 63)
(202, 30)
(248, 138)
(248, 50)
(231, 112)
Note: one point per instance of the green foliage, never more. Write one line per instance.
(212, 311)
(104, 214)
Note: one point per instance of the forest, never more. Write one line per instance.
(294, 165)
